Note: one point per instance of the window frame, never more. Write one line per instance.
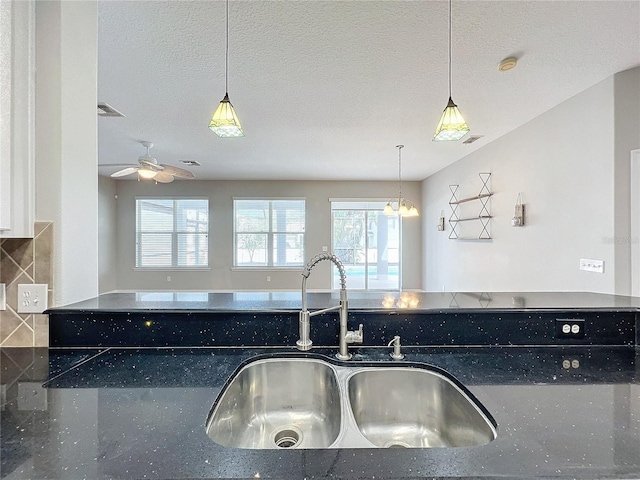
(271, 233)
(174, 236)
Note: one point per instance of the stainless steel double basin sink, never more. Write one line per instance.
(314, 403)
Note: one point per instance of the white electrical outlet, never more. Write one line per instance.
(268, 278)
(569, 364)
(32, 297)
(592, 265)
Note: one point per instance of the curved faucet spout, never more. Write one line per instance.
(312, 263)
(346, 337)
(332, 258)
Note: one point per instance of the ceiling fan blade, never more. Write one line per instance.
(124, 172)
(162, 177)
(177, 172)
(147, 161)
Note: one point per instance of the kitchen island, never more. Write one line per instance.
(564, 407)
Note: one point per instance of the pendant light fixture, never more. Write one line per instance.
(452, 125)
(224, 122)
(403, 209)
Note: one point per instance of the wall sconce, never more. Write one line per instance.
(518, 216)
(441, 222)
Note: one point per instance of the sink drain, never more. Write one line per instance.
(287, 437)
(394, 444)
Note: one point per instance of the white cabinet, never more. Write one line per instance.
(17, 118)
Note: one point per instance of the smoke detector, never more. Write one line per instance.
(507, 64)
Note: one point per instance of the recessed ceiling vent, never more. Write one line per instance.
(105, 110)
(472, 139)
(191, 163)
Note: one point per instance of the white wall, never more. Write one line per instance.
(66, 142)
(222, 276)
(107, 234)
(626, 139)
(563, 163)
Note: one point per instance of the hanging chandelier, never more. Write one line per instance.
(452, 125)
(403, 210)
(224, 122)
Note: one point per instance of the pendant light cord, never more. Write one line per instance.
(399, 147)
(450, 1)
(226, 58)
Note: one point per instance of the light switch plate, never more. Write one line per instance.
(592, 265)
(3, 297)
(32, 297)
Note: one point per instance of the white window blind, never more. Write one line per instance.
(269, 233)
(172, 232)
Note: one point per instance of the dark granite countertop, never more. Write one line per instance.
(562, 412)
(363, 301)
(565, 407)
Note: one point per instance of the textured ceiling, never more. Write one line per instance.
(326, 89)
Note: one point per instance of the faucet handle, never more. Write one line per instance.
(355, 336)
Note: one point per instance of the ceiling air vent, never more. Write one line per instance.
(472, 139)
(190, 163)
(105, 110)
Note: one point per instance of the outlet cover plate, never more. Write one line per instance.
(589, 265)
(570, 328)
(32, 297)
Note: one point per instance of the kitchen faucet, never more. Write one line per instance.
(346, 336)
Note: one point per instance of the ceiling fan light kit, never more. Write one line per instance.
(224, 121)
(452, 125)
(146, 173)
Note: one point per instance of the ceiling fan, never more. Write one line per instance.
(149, 168)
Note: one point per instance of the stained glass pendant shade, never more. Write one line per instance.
(452, 125)
(224, 122)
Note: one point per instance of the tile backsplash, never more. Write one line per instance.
(25, 260)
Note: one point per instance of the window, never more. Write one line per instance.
(172, 232)
(268, 233)
(368, 245)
